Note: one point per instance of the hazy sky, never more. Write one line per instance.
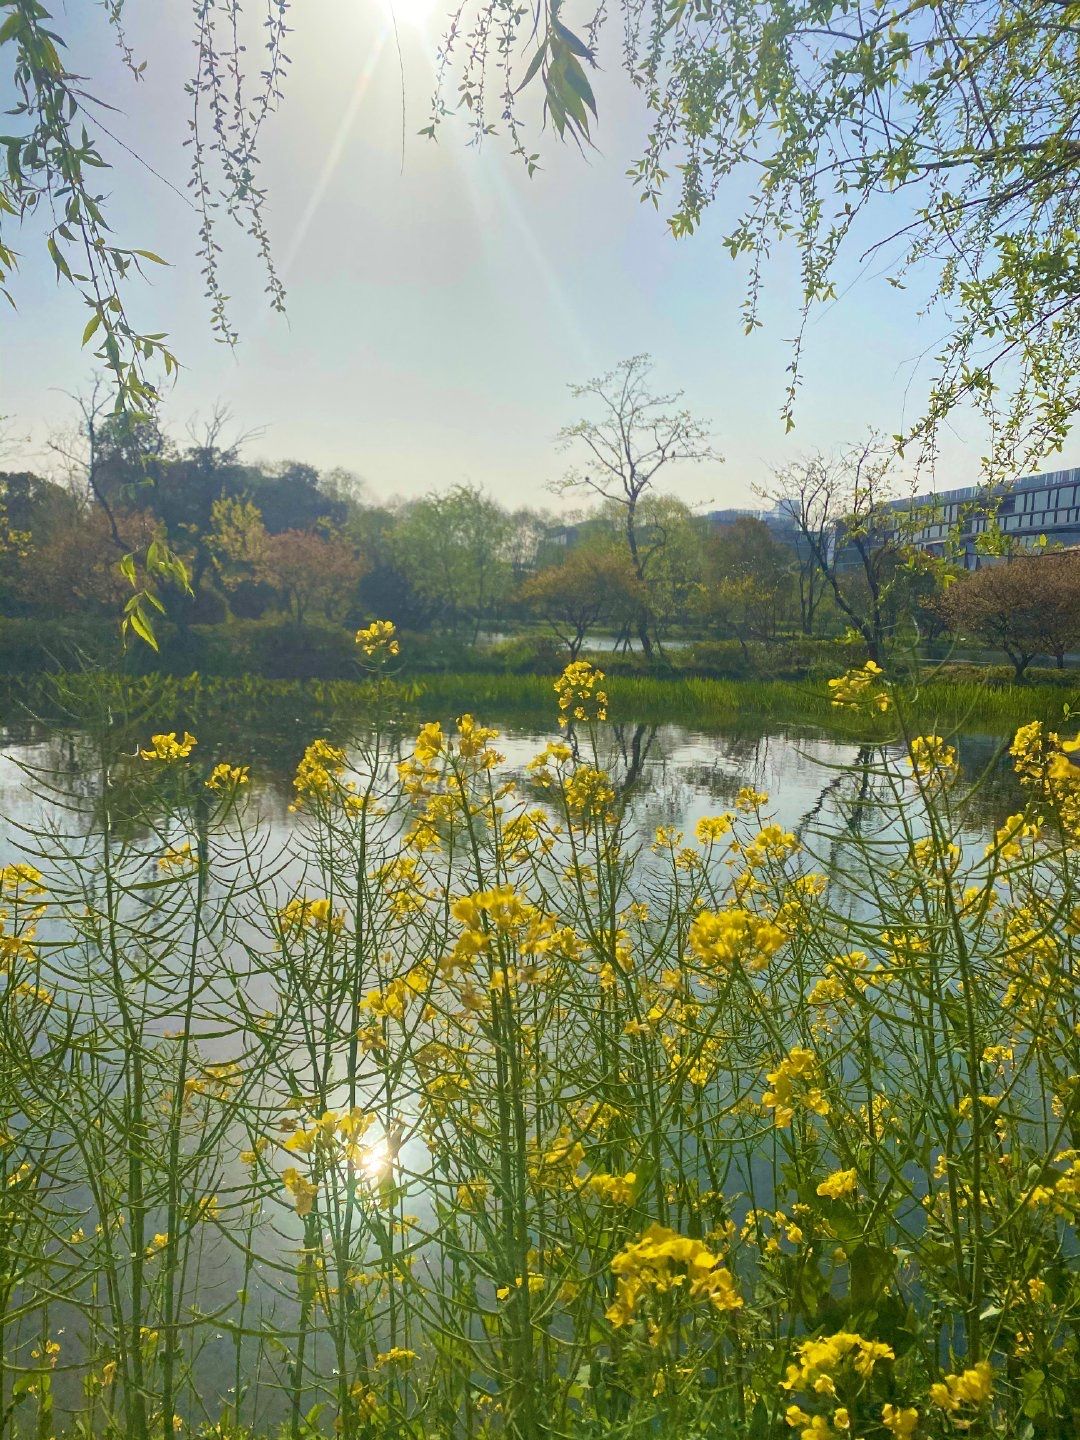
(439, 300)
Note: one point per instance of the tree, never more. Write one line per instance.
(453, 550)
(593, 585)
(290, 496)
(312, 572)
(803, 493)
(1025, 606)
(749, 577)
(73, 570)
(1059, 584)
(867, 552)
(673, 559)
(238, 543)
(90, 453)
(633, 434)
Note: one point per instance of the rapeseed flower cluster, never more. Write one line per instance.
(21, 882)
(721, 939)
(167, 748)
(225, 777)
(793, 1084)
(304, 912)
(861, 688)
(972, 1387)
(933, 763)
(378, 640)
(318, 773)
(579, 694)
(662, 1262)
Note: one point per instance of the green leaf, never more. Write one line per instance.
(58, 260)
(138, 622)
(534, 66)
(91, 326)
(569, 38)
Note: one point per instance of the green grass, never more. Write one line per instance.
(724, 704)
(272, 707)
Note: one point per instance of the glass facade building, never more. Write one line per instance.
(1030, 507)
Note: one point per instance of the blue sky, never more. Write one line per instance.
(439, 299)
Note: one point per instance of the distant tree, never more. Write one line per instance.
(1026, 606)
(238, 544)
(749, 578)
(631, 436)
(453, 550)
(672, 559)
(385, 589)
(33, 504)
(593, 585)
(1060, 587)
(32, 511)
(867, 551)
(74, 570)
(94, 453)
(290, 496)
(312, 572)
(804, 493)
(529, 530)
(186, 490)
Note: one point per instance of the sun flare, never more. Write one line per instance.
(414, 13)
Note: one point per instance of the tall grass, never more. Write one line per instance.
(724, 703)
(469, 1112)
(279, 706)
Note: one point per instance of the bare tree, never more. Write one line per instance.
(804, 493)
(862, 546)
(81, 451)
(634, 434)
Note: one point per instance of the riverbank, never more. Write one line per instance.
(279, 650)
(252, 705)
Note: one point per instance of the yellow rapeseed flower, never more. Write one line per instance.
(861, 688)
(968, 1387)
(794, 1083)
(839, 1184)
(167, 748)
(726, 937)
(227, 777)
(378, 640)
(579, 695)
(902, 1424)
(662, 1261)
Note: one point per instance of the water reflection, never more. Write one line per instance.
(664, 774)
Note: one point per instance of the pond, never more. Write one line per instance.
(667, 774)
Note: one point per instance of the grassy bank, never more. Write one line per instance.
(293, 708)
(722, 704)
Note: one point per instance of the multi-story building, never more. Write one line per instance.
(1033, 506)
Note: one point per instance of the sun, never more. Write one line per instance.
(414, 13)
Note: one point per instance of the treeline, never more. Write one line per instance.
(283, 540)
